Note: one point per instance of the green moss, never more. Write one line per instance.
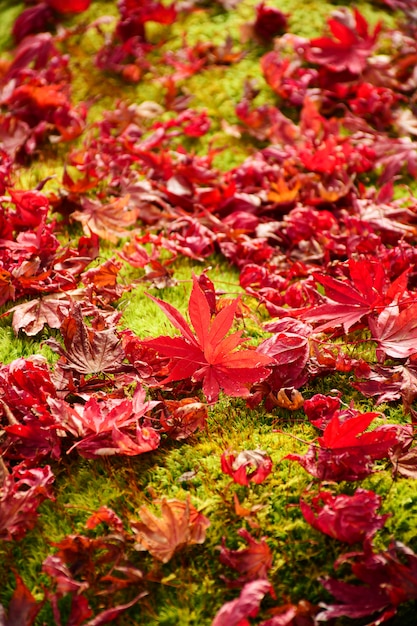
(9, 10)
(12, 347)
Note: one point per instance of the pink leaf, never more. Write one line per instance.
(234, 613)
(395, 331)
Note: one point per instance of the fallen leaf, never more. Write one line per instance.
(180, 525)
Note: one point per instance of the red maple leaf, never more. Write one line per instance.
(117, 426)
(69, 6)
(346, 518)
(351, 46)
(181, 418)
(23, 607)
(21, 492)
(248, 466)
(320, 409)
(345, 451)
(395, 331)
(252, 562)
(349, 300)
(389, 578)
(235, 612)
(210, 356)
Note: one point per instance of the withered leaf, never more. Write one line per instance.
(88, 351)
(181, 418)
(109, 221)
(180, 525)
(32, 316)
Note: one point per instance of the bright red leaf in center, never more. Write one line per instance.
(210, 356)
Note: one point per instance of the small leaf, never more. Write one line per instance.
(180, 525)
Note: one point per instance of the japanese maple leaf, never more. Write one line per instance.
(348, 301)
(23, 607)
(181, 418)
(290, 352)
(346, 518)
(32, 316)
(87, 350)
(247, 466)
(210, 356)
(320, 409)
(345, 452)
(404, 462)
(106, 428)
(252, 562)
(351, 46)
(110, 221)
(101, 282)
(389, 578)
(105, 515)
(395, 331)
(69, 6)
(393, 154)
(84, 557)
(235, 612)
(21, 492)
(180, 525)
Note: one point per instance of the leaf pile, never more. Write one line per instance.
(320, 226)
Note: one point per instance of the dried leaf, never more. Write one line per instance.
(180, 525)
(88, 351)
(109, 221)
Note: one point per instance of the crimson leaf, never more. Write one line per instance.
(210, 356)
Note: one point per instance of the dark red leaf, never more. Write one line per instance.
(23, 607)
(35, 19)
(88, 351)
(270, 22)
(20, 495)
(320, 409)
(32, 316)
(109, 615)
(389, 578)
(181, 418)
(346, 518)
(252, 562)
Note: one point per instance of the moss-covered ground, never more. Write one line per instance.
(189, 589)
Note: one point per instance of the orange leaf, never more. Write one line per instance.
(180, 525)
